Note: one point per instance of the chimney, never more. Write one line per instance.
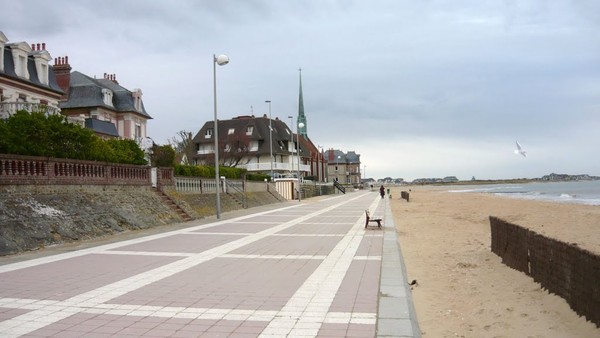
(112, 77)
(62, 72)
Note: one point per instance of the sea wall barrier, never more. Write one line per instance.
(561, 268)
(34, 170)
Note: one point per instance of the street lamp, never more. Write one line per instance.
(270, 137)
(300, 126)
(220, 60)
(321, 172)
(292, 143)
(337, 168)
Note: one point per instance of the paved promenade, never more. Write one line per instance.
(307, 269)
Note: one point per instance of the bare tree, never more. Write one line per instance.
(183, 145)
(235, 150)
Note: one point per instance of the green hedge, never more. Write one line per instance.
(36, 134)
(208, 171)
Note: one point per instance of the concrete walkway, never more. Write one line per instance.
(307, 269)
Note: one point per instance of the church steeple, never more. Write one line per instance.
(301, 116)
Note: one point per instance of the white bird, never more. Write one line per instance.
(520, 150)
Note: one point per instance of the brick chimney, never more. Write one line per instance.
(62, 72)
(112, 77)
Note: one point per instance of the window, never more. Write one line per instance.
(107, 96)
(231, 131)
(208, 133)
(43, 76)
(249, 130)
(22, 66)
(138, 131)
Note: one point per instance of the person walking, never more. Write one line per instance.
(382, 191)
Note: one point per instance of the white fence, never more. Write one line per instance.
(284, 187)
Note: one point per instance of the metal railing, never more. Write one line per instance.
(237, 188)
(339, 187)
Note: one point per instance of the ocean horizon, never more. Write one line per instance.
(576, 192)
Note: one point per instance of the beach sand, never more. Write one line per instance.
(463, 288)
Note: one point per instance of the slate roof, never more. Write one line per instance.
(9, 71)
(86, 92)
(350, 157)
(281, 135)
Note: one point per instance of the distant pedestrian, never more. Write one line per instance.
(382, 191)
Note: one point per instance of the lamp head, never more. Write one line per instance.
(222, 60)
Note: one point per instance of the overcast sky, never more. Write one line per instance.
(417, 88)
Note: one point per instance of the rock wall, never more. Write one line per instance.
(35, 216)
(32, 217)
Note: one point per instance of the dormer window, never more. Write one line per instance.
(20, 52)
(107, 96)
(231, 131)
(249, 130)
(137, 99)
(21, 67)
(43, 74)
(41, 58)
(1, 53)
(208, 133)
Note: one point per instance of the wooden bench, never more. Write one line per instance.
(369, 220)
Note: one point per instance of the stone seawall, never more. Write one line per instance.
(32, 217)
(36, 216)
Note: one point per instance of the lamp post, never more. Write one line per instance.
(365, 174)
(300, 126)
(220, 60)
(270, 137)
(321, 172)
(291, 143)
(337, 168)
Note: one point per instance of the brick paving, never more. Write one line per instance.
(309, 269)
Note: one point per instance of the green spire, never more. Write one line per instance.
(301, 116)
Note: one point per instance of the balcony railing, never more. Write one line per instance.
(10, 108)
(277, 166)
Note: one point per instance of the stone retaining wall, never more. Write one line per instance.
(34, 216)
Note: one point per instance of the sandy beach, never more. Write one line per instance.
(463, 288)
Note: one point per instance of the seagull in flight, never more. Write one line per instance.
(520, 150)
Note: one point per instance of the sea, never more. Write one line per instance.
(577, 192)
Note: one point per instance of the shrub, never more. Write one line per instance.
(258, 177)
(208, 171)
(36, 134)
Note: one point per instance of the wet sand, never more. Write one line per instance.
(463, 288)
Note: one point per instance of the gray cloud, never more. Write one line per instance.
(429, 88)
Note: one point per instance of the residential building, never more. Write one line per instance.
(263, 145)
(343, 167)
(244, 143)
(108, 108)
(27, 81)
